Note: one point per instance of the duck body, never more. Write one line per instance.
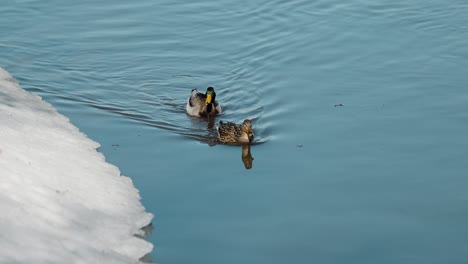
(231, 133)
(199, 104)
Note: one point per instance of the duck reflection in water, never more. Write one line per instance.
(247, 158)
(211, 121)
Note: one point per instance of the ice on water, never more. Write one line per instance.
(60, 201)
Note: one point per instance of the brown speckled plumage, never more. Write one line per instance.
(231, 133)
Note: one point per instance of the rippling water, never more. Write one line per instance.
(361, 107)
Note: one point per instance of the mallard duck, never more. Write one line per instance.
(235, 134)
(200, 104)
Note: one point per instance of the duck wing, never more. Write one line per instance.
(197, 99)
(229, 132)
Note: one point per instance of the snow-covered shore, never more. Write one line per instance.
(60, 202)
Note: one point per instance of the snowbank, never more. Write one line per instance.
(60, 202)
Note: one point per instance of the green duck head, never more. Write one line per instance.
(210, 98)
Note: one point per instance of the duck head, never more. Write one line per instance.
(247, 129)
(210, 98)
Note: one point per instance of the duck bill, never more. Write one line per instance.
(208, 98)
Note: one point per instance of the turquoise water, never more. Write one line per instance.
(360, 106)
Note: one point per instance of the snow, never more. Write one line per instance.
(60, 201)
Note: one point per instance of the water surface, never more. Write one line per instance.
(380, 179)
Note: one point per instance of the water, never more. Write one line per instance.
(380, 179)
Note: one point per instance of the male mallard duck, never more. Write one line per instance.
(200, 104)
(232, 133)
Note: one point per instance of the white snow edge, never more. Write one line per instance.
(60, 201)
